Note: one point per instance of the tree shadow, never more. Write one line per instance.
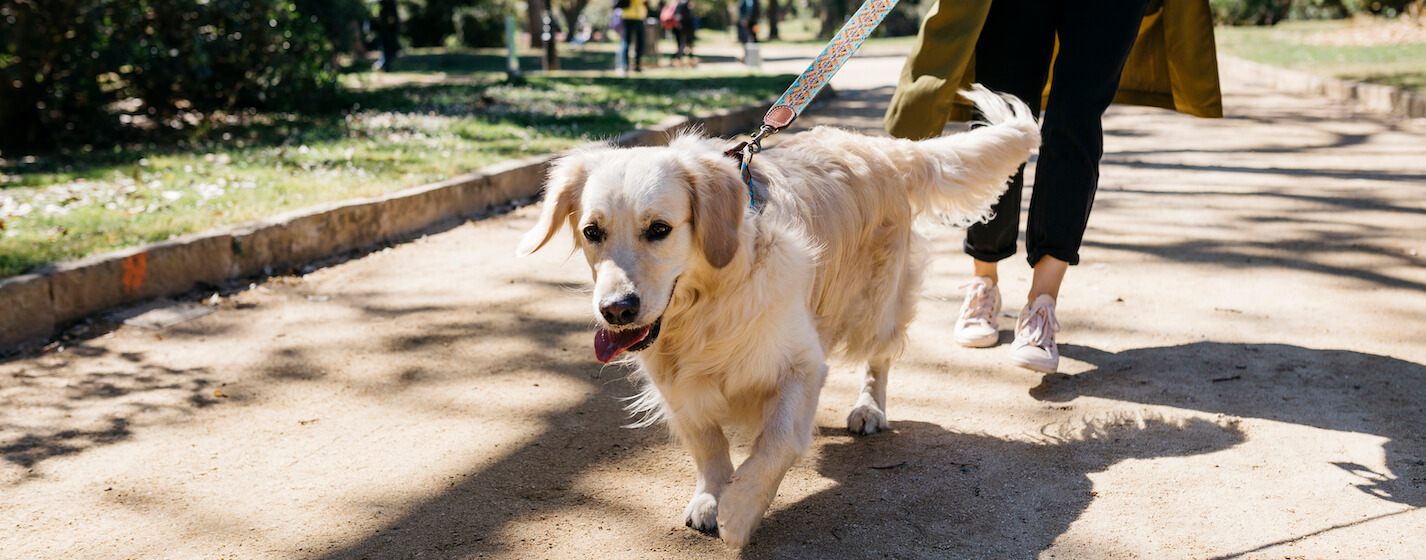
(926, 492)
(50, 415)
(1337, 390)
(467, 518)
(1291, 254)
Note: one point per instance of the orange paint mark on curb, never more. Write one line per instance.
(135, 268)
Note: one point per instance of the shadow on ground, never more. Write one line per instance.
(926, 492)
(51, 416)
(1337, 390)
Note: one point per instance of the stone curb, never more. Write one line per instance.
(38, 305)
(1371, 97)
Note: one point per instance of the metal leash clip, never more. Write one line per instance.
(751, 148)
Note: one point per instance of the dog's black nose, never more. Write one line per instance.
(620, 311)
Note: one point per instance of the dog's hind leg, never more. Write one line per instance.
(785, 435)
(869, 414)
(709, 448)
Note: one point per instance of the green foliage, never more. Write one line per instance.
(903, 21)
(711, 15)
(1317, 9)
(75, 62)
(1389, 8)
(65, 206)
(427, 23)
(481, 25)
(341, 20)
(1249, 12)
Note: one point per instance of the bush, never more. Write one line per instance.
(341, 20)
(1317, 9)
(481, 25)
(77, 64)
(1389, 8)
(903, 21)
(427, 23)
(712, 15)
(1249, 12)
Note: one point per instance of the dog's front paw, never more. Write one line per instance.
(867, 419)
(739, 512)
(702, 513)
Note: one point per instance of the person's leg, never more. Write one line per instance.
(1095, 40)
(685, 41)
(621, 56)
(637, 30)
(1094, 43)
(1012, 55)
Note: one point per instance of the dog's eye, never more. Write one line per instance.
(657, 231)
(593, 233)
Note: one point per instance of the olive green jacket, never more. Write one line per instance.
(1173, 65)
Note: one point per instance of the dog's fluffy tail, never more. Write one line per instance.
(968, 172)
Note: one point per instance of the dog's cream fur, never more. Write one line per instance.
(751, 299)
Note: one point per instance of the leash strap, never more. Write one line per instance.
(843, 45)
(806, 87)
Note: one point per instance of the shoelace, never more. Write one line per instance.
(979, 303)
(1038, 326)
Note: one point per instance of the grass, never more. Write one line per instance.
(61, 206)
(1287, 45)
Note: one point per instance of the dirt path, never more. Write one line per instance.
(1244, 378)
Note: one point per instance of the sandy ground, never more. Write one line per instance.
(1243, 378)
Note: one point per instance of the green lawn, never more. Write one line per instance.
(68, 205)
(1288, 45)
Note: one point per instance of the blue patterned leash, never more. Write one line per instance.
(806, 87)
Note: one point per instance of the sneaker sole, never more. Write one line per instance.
(1036, 365)
(982, 342)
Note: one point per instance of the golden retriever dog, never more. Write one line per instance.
(729, 297)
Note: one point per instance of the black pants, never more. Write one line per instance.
(632, 38)
(684, 34)
(1013, 55)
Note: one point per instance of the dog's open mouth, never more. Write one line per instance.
(608, 344)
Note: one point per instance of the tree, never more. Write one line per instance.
(73, 71)
(834, 14)
(534, 9)
(389, 30)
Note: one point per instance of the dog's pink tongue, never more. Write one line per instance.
(608, 344)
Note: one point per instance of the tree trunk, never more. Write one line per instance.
(774, 14)
(390, 31)
(534, 9)
(834, 14)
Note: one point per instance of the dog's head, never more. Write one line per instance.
(642, 216)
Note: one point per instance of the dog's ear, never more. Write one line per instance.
(719, 197)
(563, 189)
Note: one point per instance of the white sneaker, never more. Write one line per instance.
(977, 326)
(1034, 347)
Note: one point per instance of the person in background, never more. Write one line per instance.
(683, 31)
(1147, 52)
(632, 38)
(584, 31)
(748, 21)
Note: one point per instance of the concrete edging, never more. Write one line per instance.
(40, 304)
(1371, 97)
